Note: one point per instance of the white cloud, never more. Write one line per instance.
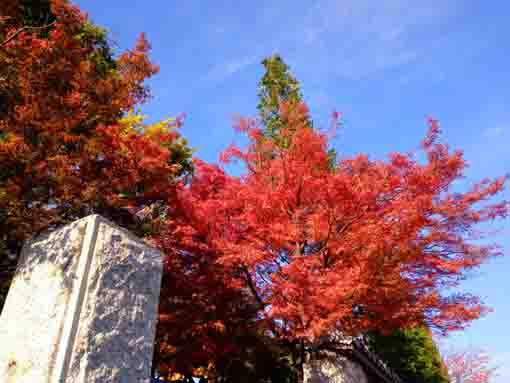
(237, 65)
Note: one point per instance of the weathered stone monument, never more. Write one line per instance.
(82, 307)
(334, 368)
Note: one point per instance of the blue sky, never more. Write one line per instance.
(385, 65)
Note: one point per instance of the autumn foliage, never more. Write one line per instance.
(373, 244)
(68, 146)
(368, 245)
(292, 250)
(63, 151)
(469, 366)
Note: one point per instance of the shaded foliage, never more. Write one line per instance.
(207, 327)
(412, 354)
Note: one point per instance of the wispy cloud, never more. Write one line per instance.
(333, 39)
(237, 65)
(355, 39)
(223, 70)
(494, 131)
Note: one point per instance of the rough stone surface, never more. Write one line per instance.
(82, 307)
(332, 368)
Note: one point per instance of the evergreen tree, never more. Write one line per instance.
(278, 85)
(412, 354)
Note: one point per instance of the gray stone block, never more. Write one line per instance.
(333, 368)
(82, 307)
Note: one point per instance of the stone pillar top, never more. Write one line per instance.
(82, 307)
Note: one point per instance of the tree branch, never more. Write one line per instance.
(13, 35)
(252, 286)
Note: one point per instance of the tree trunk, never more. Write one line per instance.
(300, 374)
(300, 366)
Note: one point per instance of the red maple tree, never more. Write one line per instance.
(370, 244)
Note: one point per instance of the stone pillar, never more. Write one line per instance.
(82, 307)
(333, 368)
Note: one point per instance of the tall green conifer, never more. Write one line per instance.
(278, 85)
(412, 354)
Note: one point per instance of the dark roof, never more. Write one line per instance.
(371, 360)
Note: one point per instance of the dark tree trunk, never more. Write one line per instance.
(301, 362)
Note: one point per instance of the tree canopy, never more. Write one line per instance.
(65, 149)
(364, 245)
(371, 244)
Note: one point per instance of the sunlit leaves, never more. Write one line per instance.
(384, 235)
